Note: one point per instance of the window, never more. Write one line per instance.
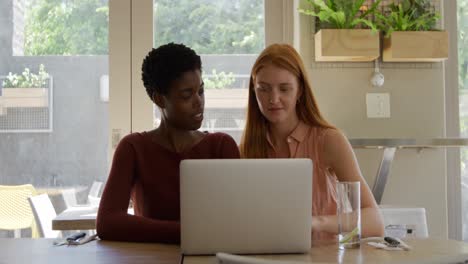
(229, 35)
(57, 27)
(48, 38)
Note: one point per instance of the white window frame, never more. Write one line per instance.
(452, 117)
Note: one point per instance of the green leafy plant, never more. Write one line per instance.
(72, 27)
(211, 27)
(407, 15)
(27, 79)
(219, 80)
(342, 14)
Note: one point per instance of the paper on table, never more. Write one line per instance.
(224, 258)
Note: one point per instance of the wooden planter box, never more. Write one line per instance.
(226, 98)
(416, 46)
(346, 45)
(24, 97)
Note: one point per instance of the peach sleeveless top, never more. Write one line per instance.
(307, 142)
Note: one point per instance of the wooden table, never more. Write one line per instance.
(38, 251)
(423, 251)
(77, 218)
(26, 250)
(56, 190)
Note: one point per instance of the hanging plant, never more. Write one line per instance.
(346, 31)
(407, 15)
(410, 33)
(342, 14)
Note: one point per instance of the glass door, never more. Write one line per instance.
(54, 96)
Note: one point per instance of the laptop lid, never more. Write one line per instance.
(245, 206)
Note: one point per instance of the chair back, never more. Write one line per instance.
(95, 188)
(94, 201)
(93, 195)
(15, 211)
(69, 197)
(404, 222)
(44, 213)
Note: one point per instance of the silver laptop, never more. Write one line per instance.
(245, 206)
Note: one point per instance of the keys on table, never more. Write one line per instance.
(392, 241)
(71, 240)
(387, 243)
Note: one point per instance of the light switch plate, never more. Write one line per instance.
(378, 105)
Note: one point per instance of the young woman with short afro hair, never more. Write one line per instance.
(145, 167)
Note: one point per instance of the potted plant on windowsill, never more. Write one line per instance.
(25, 90)
(410, 34)
(219, 95)
(346, 32)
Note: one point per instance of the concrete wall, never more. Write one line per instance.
(417, 111)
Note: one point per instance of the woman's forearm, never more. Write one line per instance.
(120, 226)
(371, 223)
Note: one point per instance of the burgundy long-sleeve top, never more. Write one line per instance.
(148, 174)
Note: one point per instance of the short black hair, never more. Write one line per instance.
(165, 64)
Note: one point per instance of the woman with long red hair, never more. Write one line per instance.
(284, 121)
